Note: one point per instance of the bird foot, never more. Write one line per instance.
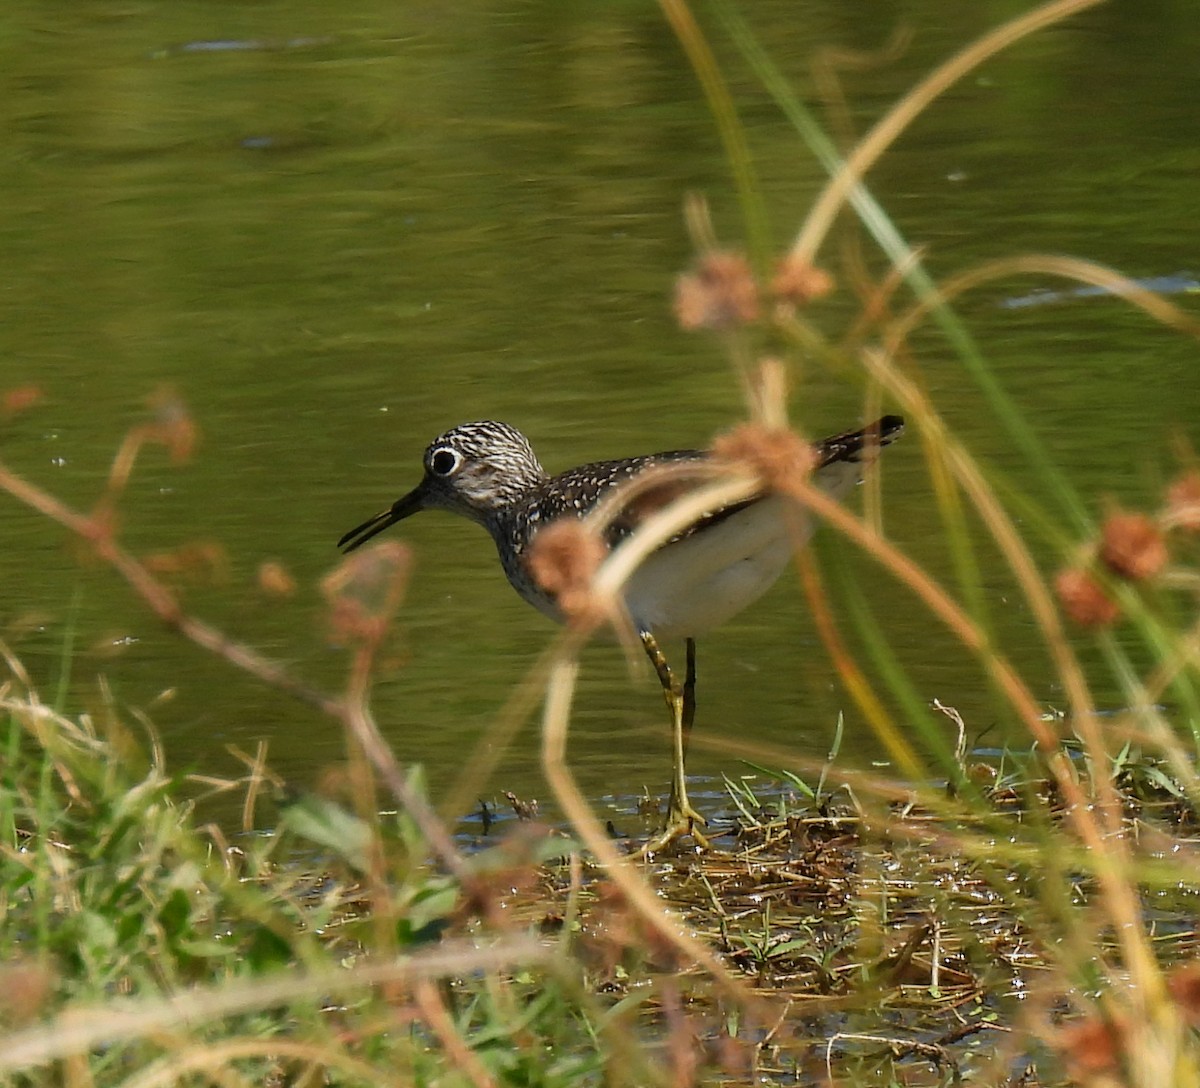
(682, 821)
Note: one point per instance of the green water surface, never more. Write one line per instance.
(336, 230)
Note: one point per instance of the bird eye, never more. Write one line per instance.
(444, 461)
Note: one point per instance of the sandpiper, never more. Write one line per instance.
(487, 472)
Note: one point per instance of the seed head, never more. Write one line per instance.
(797, 282)
(1083, 599)
(171, 424)
(718, 295)
(275, 580)
(1132, 546)
(364, 591)
(562, 560)
(202, 562)
(777, 457)
(1183, 502)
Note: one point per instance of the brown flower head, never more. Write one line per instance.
(562, 560)
(1183, 502)
(172, 424)
(202, 562)
(1083, 600)
(275, 580)
(719, 294)
(1132, 546)
(364, 591)
(777, 457)
(797, 282)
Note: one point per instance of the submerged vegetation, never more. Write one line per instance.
(1023, 918)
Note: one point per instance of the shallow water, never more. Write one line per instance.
(337, 232)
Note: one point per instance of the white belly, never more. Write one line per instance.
(701, 581)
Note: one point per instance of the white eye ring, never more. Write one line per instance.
(444, 461)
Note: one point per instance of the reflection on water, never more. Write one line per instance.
(337, 233)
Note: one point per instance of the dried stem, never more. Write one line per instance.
(352, 711)
(885, 133)
(161, 601)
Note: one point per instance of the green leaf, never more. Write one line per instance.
(328, 825)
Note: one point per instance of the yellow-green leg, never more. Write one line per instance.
(682, 819)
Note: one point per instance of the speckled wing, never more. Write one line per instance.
(574, 492)
(850, 445)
